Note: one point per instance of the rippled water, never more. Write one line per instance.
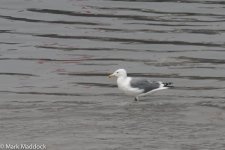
(55, 56)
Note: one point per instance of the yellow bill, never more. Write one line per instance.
(111, 75)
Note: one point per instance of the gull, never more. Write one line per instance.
(137, 86)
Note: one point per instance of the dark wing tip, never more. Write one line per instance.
(168, 84)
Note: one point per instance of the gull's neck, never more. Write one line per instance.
(121, 79)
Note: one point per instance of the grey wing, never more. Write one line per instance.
(144, 84)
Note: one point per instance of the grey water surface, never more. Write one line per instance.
(55, 56)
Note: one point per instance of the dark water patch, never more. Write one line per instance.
(199, 67)
(12, 49)
(97, 59)
(213, 2)
(44, 60)
(163, 64)
(197, 31)
(86, 49)
(84, 74)
(133, 17)
(181, 64)
(61, 94)
(5, 31)
(128, 30)
(127, 40)
(156, 12)
(121, 59)
(97, 64)
(202, 31)
(9, 43)
(96, 84)
(198, 97)
(25, 87)
(45, 93)
(183, 13)
(16, 117)
(18, 74)
(176, 1)
(45, 21)
(178, 19)
(184, 24)
(148, 75)
(23, 59)
(28, 101)
(88, 58)
(109, 49)
(74, 102)
(72, 13)
(198, 88)
(176, 76)
(19, 106)
(201, 60)
(203, 78)
(174, 87)
(215, 104)
(115, 8)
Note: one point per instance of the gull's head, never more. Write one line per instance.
(118, 73)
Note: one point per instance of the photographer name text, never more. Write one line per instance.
(23, 147)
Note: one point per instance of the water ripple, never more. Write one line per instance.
(175, 1)
(133, 17)
(52, 22)
(149, 75)
(60, 93)
(127, 40)
(17, 74)
(202, 60)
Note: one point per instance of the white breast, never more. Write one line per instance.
(124, 85)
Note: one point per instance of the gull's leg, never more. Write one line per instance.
(136, 98)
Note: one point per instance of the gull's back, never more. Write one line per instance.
(144, 84)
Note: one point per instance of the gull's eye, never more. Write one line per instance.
(117, 72)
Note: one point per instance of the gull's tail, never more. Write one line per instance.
(167, 84)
